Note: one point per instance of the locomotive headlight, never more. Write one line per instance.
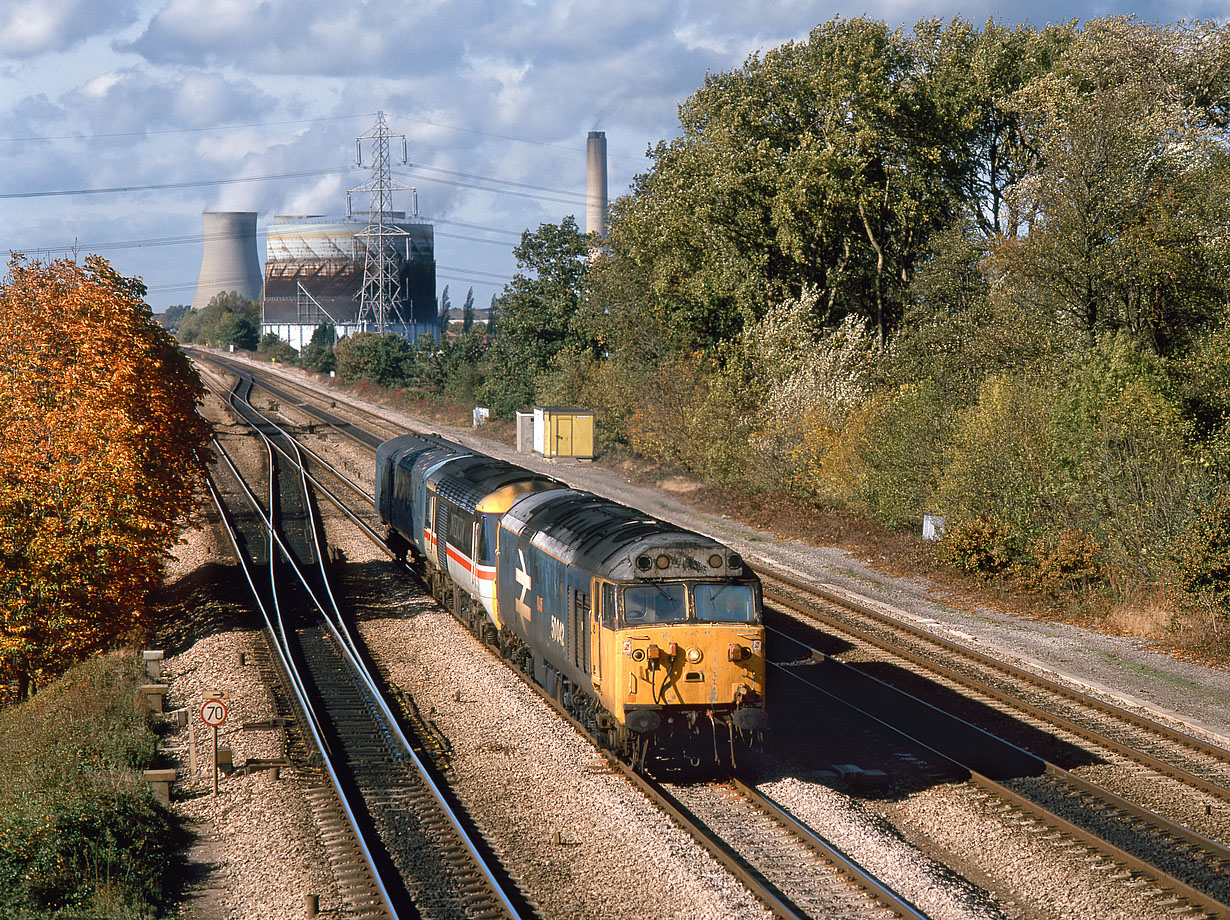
(736, 652)
(663, 561)
(715, 561)
(644, 563)
(638, 654)
(695, 655)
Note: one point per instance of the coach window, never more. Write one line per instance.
(457, 532)
(608, 606)
(655, 603)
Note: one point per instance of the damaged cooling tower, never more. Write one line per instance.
(230, 261)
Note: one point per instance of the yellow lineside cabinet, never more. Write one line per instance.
(564, 431)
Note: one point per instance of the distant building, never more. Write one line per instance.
(314, 274)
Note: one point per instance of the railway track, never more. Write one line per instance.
(404, 848)
(1157, 846)
(789, 867)
(1183, 865)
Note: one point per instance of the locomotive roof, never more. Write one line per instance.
(409, 446)
(468, 479)
(595, 533)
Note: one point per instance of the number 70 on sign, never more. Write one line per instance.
(213, 712)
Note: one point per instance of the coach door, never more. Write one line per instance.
(441, 534)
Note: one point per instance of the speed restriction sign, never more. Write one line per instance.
(213, 712)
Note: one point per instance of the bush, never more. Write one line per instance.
(1202, 557)
(317, 354)
(998, 461)
(1123, 470)
(380, 359)
(276, 349)
(1073, 559)
(80, 835)
(902, 437)
(984, 545)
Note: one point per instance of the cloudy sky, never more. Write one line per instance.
(122, 120)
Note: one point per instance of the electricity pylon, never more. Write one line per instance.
(380, 297)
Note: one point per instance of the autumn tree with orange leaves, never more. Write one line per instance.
(102, 449)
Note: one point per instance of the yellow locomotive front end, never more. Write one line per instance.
(714, 671)
(684, 655)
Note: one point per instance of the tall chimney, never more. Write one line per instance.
(595, 183)
(230, 261)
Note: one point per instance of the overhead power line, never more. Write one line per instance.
(575, 199)
(198, 183)
(234, 127)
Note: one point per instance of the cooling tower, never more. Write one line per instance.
(595, 183)
(230, 261)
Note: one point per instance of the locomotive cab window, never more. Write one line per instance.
(655, 603)
(726, 603)
(608, 606)
(488, 530)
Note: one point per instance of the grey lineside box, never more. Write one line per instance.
(525, 432)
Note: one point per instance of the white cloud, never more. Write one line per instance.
(33, 27)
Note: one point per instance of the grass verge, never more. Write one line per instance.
(81, 836)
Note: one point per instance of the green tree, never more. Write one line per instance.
(977, 74)
(318, 352)
(225, 318)
(381, 359)
(823, 164)
(445, 307)
(538, 312)
(238, 330)
(493, 313)
(1132, 223)
(467, 313)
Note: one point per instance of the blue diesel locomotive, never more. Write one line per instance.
(648, 633)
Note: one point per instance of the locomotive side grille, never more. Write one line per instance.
(441, 535)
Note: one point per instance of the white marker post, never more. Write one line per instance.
(213, 714)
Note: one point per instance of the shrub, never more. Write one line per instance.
(276, 349)
(380, 359)
(80, 835)
(998, 461)
(1202, 557)
(317, 354)
(1072, 559)
(983, 545)
(903, 434)
(1122, 467)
